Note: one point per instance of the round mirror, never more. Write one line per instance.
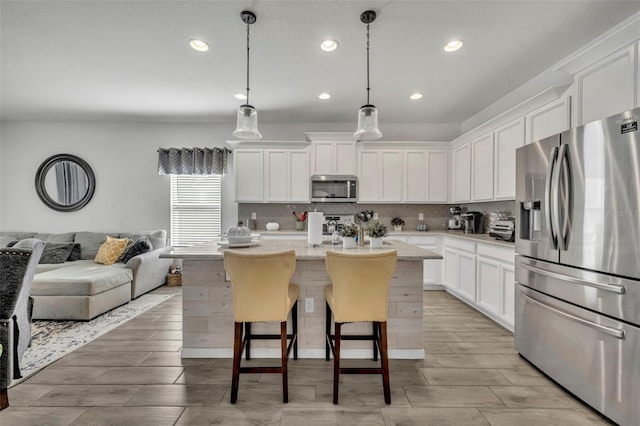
(65, 182)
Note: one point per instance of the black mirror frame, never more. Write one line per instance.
(42, 173)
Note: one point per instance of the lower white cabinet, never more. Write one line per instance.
(481, 275)
(460, 267)
(496, 282)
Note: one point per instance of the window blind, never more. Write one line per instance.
(195, 208)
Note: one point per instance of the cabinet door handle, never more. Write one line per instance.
(614, 288)
(615, 332)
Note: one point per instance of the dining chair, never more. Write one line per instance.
(262, 293)
(359, 292)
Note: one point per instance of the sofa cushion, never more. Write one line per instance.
(18, 235)
(111, 250)
(67, 237)
(90, 243)
(8, 241)
(141, 246)
(79, 280)
(157, 238)
(56, 252)
(75, 252)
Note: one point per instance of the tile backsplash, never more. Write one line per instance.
(435, 215)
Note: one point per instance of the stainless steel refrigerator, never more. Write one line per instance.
(578, 264)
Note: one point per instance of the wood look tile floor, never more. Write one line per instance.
(134, 375)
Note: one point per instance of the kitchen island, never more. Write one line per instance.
(207, 313)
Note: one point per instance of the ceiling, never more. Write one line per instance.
(130, 60)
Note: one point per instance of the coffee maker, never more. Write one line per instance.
(455, 222)
(473, 223)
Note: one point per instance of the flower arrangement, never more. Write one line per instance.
(350, 230)
(300, 217)
(376, 230)
(397, 221)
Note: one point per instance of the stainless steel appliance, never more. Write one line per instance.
(335, 222)
(334, 189)
(578, 264)
(503, 230)
(473, 222)
(455, 222)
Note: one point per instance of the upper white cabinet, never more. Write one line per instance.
(248, 166)
(607, 87)
(333, 158)
(462, 173)
(271, 175)
(553, 118)
(380, 176)
(507, 139)
(405, 175)
(482, 168)
(299, 183)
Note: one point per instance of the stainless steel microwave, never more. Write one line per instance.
(334, 189)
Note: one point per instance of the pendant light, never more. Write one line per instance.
(368, 114)
(247, 127)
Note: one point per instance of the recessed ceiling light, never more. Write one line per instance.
(240, 96)
(329, 45)
(324, 95)
(415, 96)
(198, 45)
(453, 45)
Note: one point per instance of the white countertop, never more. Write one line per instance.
(212, 251)
(483, 238)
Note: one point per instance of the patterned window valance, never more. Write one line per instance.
(192, 161)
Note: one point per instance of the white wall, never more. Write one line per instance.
(130, 195)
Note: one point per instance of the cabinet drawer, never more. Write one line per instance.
(499, 253)
(460, 244)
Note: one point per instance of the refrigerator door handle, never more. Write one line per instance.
(615, 332)
(614, 288)
(563, 197)
(553, 238)
(554, 210)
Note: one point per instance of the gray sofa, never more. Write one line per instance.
(83, 289)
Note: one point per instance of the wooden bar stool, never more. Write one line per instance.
(262, 293)
(359, 292)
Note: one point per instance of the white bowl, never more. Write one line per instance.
(241, 240)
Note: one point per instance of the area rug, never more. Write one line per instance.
(51, 340)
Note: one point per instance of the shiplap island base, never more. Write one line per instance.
(207, 329)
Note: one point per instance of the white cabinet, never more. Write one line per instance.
(276, 177)
(607, 87)
(271, 175)
(437, 176)
(553, 118)
(368, 176)
(299, 183)
(425, 177)
(415, 183)
(333, 158)
(507, 139)
(391, 175)
(248, 165)
(460, 268)
(462, 173)
(496, 283)
(482, 168)
(380, 176)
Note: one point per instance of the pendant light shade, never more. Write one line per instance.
(247, 123)
(368, 114)
(367, 124)
(247, 127)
